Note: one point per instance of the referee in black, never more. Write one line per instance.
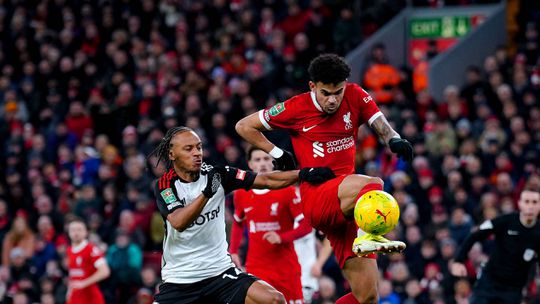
(517, 246)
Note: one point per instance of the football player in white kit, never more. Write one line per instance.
(196, 267)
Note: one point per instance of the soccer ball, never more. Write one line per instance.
(376, 212)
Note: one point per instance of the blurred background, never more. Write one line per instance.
(88, 88)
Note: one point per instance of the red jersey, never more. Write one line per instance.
(264, 211)
(320, 139)
(83, 261)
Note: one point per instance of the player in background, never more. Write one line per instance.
(190, 195)
(323, 125)
(517, 246)
(270, 217)
(306, 249)
(87, 266)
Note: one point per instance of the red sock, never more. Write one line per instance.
(369, 187)
(347, 299)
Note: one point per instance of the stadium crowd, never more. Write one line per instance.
(87, 90)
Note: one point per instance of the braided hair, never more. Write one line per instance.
(162, 150)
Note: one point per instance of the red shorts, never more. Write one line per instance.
(290, 286)
(88, 295)
(322, 209)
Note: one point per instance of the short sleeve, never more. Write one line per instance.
(166, 200)
(280, 116)
(237, 179)
(96, 256)
(238, 206)
(368, 109)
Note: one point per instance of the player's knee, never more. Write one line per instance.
(276, 297)
(366, 296)
(376, 180)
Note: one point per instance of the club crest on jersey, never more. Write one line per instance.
(168, 196)
(274, 208)
(276, 109)
(347, 121)
(240, 174)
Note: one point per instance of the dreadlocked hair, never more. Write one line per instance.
(162, 150)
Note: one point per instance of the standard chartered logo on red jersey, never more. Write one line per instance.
(320, 149)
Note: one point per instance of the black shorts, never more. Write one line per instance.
(229, 287)
(485, 291)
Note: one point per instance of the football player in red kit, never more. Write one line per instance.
(270, 217)
(323, 125)
(87, 266)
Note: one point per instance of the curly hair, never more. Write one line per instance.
(329, 69)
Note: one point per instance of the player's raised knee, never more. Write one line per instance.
(276, 297)
(375, 180)
(367, 297)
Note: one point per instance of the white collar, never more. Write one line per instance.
(78, 248)
(260, 191)
(314, 99)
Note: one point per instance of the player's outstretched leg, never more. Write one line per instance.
(350, 190)
(262, 292)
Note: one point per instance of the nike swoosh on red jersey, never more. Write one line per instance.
(307, 129)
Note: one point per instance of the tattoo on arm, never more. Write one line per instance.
(382, 127)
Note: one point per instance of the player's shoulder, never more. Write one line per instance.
(505, 219)
(510, 217)
(286, 190)
(240, 194)
(353, 89)
(93, 249)
(299, 101)
(166, 180)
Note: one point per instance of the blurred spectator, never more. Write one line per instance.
(327, 291)
(125, 260)
(387, 294)
(415, 293)
(380, 78)
(19, 238)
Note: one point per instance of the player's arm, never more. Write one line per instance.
(275, 179)
(102, 272)
(237, 230)
(282, 179)
(237, 233)
(398, 145)
(457, 268)
(181, 216)
(324, 253)
(250, 128)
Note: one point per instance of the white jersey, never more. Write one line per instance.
(200, 251)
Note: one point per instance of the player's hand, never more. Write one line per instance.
(236, 261)
(316, 270)
(458, 269)
(77, 284)
(316, 175)
(402, 147)
(214, 181)
(272, 237)
(285, 162)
